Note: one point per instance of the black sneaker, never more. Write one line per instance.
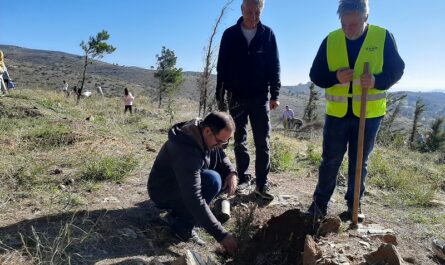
(244, 184)
(347, 216)
(189, 236)
(317, 211)
(264, 193)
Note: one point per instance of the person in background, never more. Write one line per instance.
(339, 68)
(65, 88)
(3, 87)
(99, 90)
(128, 101)
(7, 79)
(249, 69)
(287, 116)
(189, 171)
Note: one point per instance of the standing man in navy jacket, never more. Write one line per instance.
(249, 69)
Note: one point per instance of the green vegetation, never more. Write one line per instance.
(169, 78)
(281, 156)
(57, 156)
(108, 168)
(413, 182)
(51, 135)
(314, 155)
(46, 139)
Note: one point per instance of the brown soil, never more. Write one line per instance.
(121, 226)
(281, 240)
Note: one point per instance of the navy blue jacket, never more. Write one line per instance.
(248, 71)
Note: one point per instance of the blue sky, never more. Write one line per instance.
(139, 28)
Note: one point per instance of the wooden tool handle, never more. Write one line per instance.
(359, 162)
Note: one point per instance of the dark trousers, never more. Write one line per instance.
(257, 112)
(339, 135)
(128, 107)
(211, 183)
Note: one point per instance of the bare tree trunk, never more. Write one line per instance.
(396, 112)
(420, 107)
(209, 65)
(160, 96)
(79, 90)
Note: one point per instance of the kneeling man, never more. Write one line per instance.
(189, 171)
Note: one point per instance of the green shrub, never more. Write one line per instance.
(281, 156)
(108, 168)
(313, 155)
(394, 140)
(378, 165)
(50, 135)
(407, 187)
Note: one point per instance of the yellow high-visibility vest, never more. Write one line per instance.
(337, 56)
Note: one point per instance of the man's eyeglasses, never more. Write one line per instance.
(221, 143)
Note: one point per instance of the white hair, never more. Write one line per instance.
(348, 6)
(259, 3)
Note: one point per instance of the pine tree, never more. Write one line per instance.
(436, 137)
(169, 76)
(95, 48)
(310, 112)
(420, 108)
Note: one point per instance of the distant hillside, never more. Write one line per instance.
(31, 68)
(434, 101)
(47, 69)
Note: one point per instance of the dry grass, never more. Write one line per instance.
(52, 158)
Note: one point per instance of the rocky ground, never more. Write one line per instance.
(122, 227)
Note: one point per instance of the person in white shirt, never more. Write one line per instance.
(99, 91)
(65, 88)
(128, 101)
(3, 88)
(287, 116)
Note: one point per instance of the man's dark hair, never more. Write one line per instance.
(218, 121)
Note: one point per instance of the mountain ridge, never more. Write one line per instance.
(34, 68)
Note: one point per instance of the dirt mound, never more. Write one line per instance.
(281, 240)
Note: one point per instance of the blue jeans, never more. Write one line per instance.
(257, 112)
(339, 135)
(211, 184)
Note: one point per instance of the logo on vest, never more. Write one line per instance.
(372, 48)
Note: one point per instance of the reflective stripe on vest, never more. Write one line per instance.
(342, 99)
(337, 57)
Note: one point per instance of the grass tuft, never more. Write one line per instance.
(108, 168)
(314, 155)
(49, 136)
(281, 156)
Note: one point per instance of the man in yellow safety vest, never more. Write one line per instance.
(339, 68)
